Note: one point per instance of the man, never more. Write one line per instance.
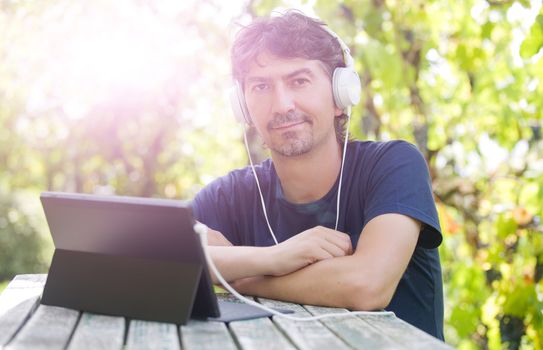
(384, 251)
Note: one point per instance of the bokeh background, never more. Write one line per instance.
(128, 97)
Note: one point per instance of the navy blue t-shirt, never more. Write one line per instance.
(379, 178)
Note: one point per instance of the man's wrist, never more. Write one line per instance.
(269, 261)
(249, 285)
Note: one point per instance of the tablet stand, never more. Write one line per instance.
(142, 288)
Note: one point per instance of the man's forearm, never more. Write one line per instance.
(241, 262)
(365, 280)
(331, 282)
(306, 248)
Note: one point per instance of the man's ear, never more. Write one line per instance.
(338, 112)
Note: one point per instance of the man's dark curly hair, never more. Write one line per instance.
(289, 35)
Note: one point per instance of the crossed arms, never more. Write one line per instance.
(319, 267)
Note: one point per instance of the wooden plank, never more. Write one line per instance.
(17, 302)
(305, 334)
(49, 328)
(355, 332)
(404, 333)
(206, 336)
(152, 335)
(98, 332)
(259, 334)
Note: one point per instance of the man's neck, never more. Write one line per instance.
(309, 177)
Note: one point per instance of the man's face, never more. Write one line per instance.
(291, 104)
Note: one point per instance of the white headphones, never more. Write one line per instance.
(346, 90)
(345, 86)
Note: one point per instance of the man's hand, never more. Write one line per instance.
(317, 243)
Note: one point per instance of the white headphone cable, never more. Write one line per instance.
(201, 230)
(342, 164)
(339, 184)
(258, 184)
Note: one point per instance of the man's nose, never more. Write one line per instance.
(283, 101)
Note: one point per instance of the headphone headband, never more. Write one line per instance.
(347, 58)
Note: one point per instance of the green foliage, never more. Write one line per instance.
(534, 41)
(3, 285)
(21, 243)
(467, 310)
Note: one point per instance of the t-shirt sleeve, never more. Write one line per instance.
(400, 183)
(213, 206)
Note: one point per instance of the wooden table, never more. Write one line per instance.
(26, 324)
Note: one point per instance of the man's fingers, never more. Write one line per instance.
(339, 239)
(321, 254)
(334, 249)
(342, 240)
(344, 243)
(319, 248)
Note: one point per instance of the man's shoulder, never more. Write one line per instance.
(241, 177)
(229, 191)
(380, 146)
(381, 150)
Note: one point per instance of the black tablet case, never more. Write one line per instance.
(127, 256)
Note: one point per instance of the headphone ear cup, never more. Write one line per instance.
(237, 102)
(346, 87)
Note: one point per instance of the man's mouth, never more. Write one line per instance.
(287, 125)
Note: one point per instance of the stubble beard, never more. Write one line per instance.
(292, 143)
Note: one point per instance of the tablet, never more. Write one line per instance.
(128, 256)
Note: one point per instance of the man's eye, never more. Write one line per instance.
(300, 82)
(259, 87)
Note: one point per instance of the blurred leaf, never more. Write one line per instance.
(534, 40)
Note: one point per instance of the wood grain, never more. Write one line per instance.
(50, 327)
(206, 336)
(259, 334)
(17, 302)
(98, 332)
(152, 335)
(354, 331)
(404, 333)
(304, 334)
